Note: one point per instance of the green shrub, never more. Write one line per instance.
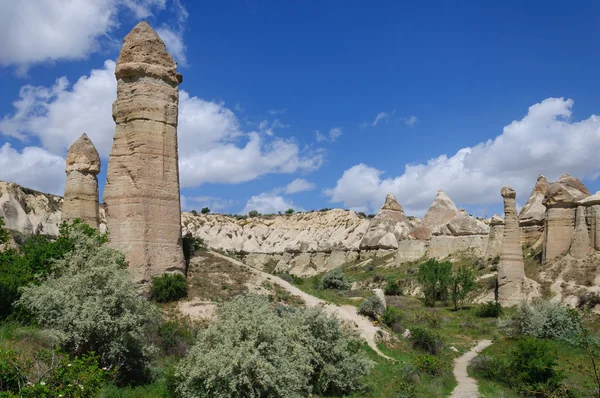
(392, 316)
(491, 368)
(253, 213)
(174, 338)
(335, 279)
(91, 302)
(254, 351)
(462, 282)
(534, 364)
(490, 309)
(543, 319)
(427, 364)
(205, 210)
(392, 286)
(168, 287)
(371, 307)
(51, 374)
(425, 340)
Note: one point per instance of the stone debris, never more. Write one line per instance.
(141, 196)
(81, 189)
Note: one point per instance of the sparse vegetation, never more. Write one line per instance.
(205, 210)
(435, 278)
(335, 279)
(253, 213)
(372, 307)
(490, 309)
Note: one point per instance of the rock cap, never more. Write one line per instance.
(565, 192)
(83, 156)
(508, 193)
(591, 200)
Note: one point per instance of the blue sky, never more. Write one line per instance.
(347, 100)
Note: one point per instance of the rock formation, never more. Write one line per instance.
(441, 212)
(533, 214)
(388, 226)
(141, 196)
(580, 241)
(81, 188)
(592, 210)
(561, 201)
(495, 237)
(511, 269)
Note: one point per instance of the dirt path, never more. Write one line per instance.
(467, 386)
(345, 312)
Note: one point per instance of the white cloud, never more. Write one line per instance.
(268, 203)
(333, 135)
(277, 111)
(278, 124)
(411, 120)
(34, 168)
(299, 185)
(35, 31)
(173, 36)
(380, 116)
(212, 146)
(545, 141)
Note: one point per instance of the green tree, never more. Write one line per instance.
(461, 284)
(253, 213)
(289, 211)
(435, 277)
(205, 210)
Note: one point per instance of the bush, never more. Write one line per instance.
(392, 316)
(253, 351)
(371, 307)
(425, 340)
(392, 286)
(335, 279)
(542, 319)
(253, 213)
(427, 364)
(90, 300)
(435, 277)
(4, 235)
(289, 211)
(462, 282)
(490, 309)
(205, 210)
(168, 287)
(51, 374)
(491, 368)
(534, 364)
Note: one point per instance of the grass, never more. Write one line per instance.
(214, 278)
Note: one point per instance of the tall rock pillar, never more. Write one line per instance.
(141, 196)
(511, 269)
(81, 188)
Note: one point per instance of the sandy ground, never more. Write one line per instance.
(467, 386)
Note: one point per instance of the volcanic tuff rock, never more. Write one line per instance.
(511, 269)
(388, 226)
(533, 214)
(441, 212)
(81, 188)
(592, 205)
(494, 245)
(29, 212)
(580, 241)
(560, 201)
(141, 196)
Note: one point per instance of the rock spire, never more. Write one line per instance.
(441, 212)
(81, 188)
(388, 226)
(511, 269)
(141, 197)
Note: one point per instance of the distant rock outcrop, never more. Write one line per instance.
(81, 188)
(533, 214)
(592, 206)
(495, 237)
(511, 269)
(441, 212)
(561, 201)
(388, 226)
(141, 196)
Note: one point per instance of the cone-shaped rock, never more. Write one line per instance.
(388, 226)
(141, 196)
(532, 216)
(511, 269)
(81, 188)
(561, 201)
(441, 212)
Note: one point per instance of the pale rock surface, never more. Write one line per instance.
(81, 188)
(379, 293)
(389, 221)
(410, 250)
(511, 269)
(494, 244)
(592, 205)
(29, 212)
(141, 196)
(441, 246)
(580, 242)
(560, 201)
(441, 212)
(533, 214)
